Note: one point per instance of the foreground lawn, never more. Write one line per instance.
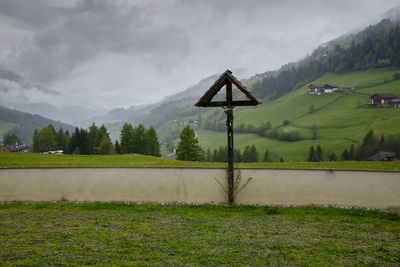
(38, 160)
(125, 234)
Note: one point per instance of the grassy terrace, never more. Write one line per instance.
(36, 160)
(125, 234)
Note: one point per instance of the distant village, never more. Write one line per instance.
(377, 100)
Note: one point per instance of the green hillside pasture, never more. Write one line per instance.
(128, 160)
(5, 127)
(392, 87)
(104, 234)
(342, 118)
(359, 79)
(38, 160)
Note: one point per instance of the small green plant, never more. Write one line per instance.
(271, 210)
(237, 185)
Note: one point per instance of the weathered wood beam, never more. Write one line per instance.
(233, 103)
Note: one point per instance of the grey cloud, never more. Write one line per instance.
(135, 51)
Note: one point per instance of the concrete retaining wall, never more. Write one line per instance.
(376, 189)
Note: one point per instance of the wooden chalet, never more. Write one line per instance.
(382, 98)
(18, 148)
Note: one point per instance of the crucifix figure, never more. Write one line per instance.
(227, 79)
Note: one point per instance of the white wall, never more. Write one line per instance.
(375, 189)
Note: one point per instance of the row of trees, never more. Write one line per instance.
(96, 140)
(138, 140)
(376, 46)
(82, 141)
(250, 154)
(264, 129)
(11, 138)
(189, 149)
(370, 145)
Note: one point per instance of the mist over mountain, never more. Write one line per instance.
(18, 93)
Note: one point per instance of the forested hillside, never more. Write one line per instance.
(375, 47)
(23, 124)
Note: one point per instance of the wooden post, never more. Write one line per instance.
(229, 129)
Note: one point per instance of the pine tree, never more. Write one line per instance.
(318, 154)
(208, 157)
(188, 147)
(253, 154)
(151, 142)
(352, 153)
(35, 140)
(266, 156)
(92, 138)
(83, 142)
(47, 139)
(345, 155)
(237, 156)
(126, 138)
(117, 147)
(60, 139)
(369, 139)
(74, 141)
(67, 143)
(246, 156)
(311, 154)
(139, 144)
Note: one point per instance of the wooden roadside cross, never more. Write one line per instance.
(227, 79)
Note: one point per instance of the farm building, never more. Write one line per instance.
(395, 103)
(382, 156)
(382, 98)
(19, 148)
(327, 88)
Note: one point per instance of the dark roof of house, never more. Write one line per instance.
(381, 156)
(318, 85)
(385, 96)
(15, 147)
(225, 77)
(331, 85)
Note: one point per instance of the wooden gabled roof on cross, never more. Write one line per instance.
(226, 79)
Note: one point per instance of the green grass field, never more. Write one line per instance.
(42, 160)
(341, 118)
(127, 234)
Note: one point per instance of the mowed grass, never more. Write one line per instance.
(341, 118)
(43, 160)
(128, 234)
(131, 160)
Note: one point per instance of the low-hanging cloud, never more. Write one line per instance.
(119, 53)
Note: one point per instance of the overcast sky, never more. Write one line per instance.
(118, 53)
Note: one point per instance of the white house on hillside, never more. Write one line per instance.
(317, 88)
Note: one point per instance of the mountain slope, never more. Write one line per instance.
(341, 118)
(23, 124)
